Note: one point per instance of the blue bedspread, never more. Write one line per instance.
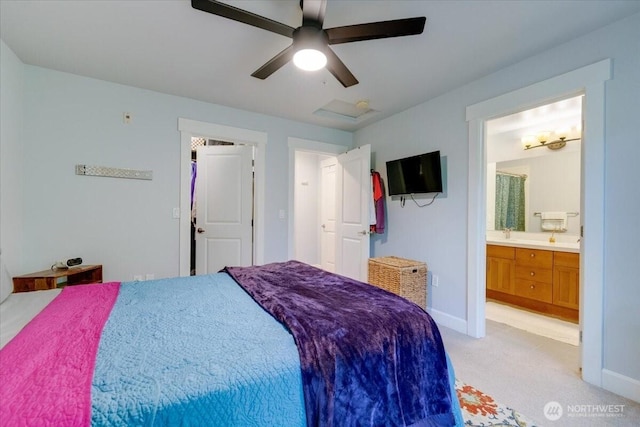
(368, 357)
(195, 351)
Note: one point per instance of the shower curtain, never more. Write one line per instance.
(509, 202)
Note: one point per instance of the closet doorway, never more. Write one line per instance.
(254, 140)
(221, 205)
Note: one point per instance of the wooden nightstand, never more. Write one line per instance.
(48, 279)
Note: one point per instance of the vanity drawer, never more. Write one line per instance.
(534, 290)
(567, 259)
(534, 273)
(534, 258)
(497, 251)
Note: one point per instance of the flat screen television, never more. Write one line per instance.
(414, 175)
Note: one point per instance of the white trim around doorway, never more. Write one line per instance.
(590, 81)
(189, 128)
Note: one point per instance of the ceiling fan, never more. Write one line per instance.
(310, 40)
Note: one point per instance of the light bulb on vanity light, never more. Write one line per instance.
(562, 133)
(543, 136)
(528, 140)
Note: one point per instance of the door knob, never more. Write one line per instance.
(200, 230)
(363, 232)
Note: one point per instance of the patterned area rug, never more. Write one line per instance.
(480, 410)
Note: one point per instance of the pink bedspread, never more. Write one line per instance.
(53, 387)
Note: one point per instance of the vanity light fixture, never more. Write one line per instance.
(542, 139)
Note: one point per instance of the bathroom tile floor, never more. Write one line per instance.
(549, 327)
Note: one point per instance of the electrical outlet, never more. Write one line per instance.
(435, 281)
(127, 118)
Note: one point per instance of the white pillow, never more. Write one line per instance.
(6, 284)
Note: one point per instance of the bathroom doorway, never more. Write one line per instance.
(589, 80)
(533, 190)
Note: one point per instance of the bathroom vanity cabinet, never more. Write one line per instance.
(538, 280)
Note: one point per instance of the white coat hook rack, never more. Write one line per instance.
(113, 172)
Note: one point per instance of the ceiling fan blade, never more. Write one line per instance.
(313, 12)
(339, 70)
(274, 63)
(376, 30)
(231, 12)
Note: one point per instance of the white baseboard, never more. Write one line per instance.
(449, 321)
(621, 384)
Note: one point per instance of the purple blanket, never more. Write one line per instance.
(368, 357)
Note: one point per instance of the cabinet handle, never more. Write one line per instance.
(532, 273)
(533, 286)
(532, 255)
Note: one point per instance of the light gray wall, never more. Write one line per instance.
(124, 224)
(11, 183)
(437, 234)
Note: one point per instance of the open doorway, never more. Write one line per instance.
(305, 175)
(589, 80)
(533, 187)
(341, 198)
(314, 209)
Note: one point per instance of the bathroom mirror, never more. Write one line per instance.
(549, 182)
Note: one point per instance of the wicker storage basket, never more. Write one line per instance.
(403, 277)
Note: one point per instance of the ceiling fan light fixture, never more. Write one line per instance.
(310, 43)
(310, 59)
(310, 47)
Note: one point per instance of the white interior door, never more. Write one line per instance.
(224, 207)
(328, 214)
(353, 179)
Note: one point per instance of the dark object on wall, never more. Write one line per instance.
(415, 175)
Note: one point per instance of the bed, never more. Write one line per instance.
(273, 345)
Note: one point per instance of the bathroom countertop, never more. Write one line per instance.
(536, 244)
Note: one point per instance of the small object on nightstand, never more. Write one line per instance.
(59, 266)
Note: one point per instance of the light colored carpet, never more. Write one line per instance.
(535, 323)
(526, 372)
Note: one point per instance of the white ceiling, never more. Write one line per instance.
(167, 46)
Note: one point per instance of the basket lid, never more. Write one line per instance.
(398, 262)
